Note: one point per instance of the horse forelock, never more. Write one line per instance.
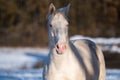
(60, 11)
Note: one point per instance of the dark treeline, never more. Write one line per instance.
(23, 22)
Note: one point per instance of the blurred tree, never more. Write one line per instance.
(23, 22)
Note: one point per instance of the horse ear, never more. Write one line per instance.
(67, 9)
(52, 8)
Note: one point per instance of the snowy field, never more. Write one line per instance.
(14, 60)
(107, 44)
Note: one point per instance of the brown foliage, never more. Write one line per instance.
(23, 22)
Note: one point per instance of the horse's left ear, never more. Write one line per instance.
(67, 9)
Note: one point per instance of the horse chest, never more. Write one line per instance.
(69, 69)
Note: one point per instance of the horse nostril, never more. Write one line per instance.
(57, 46)
(60, 48)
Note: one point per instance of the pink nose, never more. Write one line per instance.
(60, 48)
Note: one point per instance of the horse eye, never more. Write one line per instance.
(50, 25)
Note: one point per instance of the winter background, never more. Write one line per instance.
(19, 63)
(24, 34)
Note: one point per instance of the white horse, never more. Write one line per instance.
(70, 60)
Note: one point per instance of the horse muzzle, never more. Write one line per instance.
(60, 48)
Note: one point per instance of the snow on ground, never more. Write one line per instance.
(13, 59)
(113, 74)
(23, 50)
(98, 40)
(9, 61)
(107, 44)
(31, 74)
(36, 74)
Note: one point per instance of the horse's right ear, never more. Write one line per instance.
(51, 8)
